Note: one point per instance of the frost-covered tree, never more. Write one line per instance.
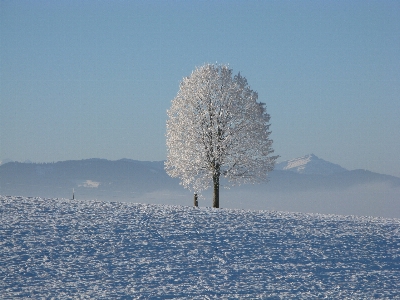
(216, 127)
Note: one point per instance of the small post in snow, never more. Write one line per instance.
(73, 194)
(196, 202)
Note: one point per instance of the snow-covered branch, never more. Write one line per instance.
(216, 127)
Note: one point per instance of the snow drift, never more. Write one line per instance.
(108, 250)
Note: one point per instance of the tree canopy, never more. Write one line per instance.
(216, 127)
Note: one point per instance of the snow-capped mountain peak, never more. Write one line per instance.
(299, 163)
(310, 164)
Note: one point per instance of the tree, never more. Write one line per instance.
(216, 127)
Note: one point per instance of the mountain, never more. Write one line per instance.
(310, 164)
(4, 161)
(307, 184)
(123, 179)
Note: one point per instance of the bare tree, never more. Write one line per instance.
(216, 127)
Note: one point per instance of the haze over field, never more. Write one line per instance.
(95, 78)
(307, 184)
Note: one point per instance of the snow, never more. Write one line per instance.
(310, 164)
(216, 127)
(106, 250)
(298, 163)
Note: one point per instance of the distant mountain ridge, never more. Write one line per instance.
(305, 184)
(4, 161)
(91, 178)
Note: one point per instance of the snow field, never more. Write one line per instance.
(108, 250)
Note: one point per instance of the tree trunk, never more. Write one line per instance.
(216, 191)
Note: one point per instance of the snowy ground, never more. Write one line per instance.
(91, 249)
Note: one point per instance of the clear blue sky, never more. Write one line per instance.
(84, 79)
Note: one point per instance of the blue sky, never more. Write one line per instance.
(84, 79)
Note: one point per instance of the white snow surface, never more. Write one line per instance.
(299, 163)
(310, 164)
(109, 250)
